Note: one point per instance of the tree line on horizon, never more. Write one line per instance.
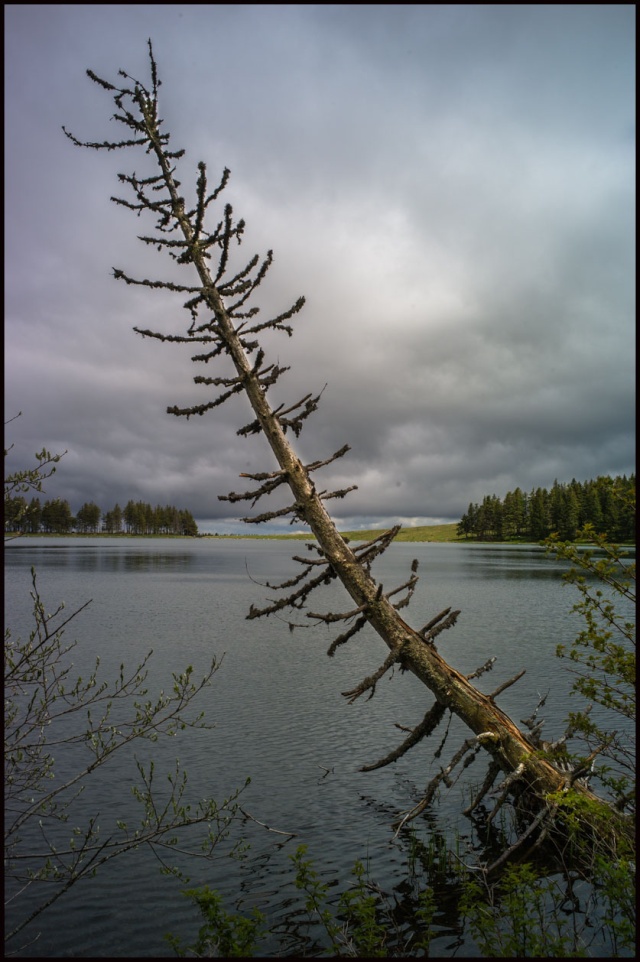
(56, 517)
(605, 503)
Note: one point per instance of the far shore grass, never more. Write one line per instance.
(438, 532)
(442, 533)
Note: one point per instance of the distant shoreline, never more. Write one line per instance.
(439, 532)
(431, 533)
(436, 534)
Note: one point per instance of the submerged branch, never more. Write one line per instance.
(471, 744)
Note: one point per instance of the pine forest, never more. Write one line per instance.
(606, 504)
(55, 517)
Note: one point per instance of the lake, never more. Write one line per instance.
(280, 718)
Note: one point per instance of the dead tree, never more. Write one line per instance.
(225, 326)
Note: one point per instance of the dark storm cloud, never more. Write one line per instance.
(450, 187)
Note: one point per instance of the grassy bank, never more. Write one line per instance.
(437, 532)
(442, 533)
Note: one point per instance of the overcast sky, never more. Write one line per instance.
(451, 188)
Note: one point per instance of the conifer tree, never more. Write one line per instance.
(223, 325)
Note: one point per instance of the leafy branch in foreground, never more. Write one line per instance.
(359, 923)
(603, 658)
(222, 322)
(47, 710)
(60, 730)
(223, 934)
(29, 479)
(440, 906)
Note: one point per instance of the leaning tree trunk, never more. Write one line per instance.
(227, 331)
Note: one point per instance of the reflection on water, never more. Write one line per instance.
(279, 714)
(95, 558)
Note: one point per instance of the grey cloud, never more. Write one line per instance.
(450, 187)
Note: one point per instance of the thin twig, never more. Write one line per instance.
(268, 828)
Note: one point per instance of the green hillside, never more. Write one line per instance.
(436, 532)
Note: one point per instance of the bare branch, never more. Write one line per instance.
(331, 617)
(346, 636)
(426, 727)
(488, 665)
(471, 744)
(369, 684)
(492, 773)
(505, 789)
(508, 684)
(296, 599)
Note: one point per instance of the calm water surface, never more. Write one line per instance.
(277, 707)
